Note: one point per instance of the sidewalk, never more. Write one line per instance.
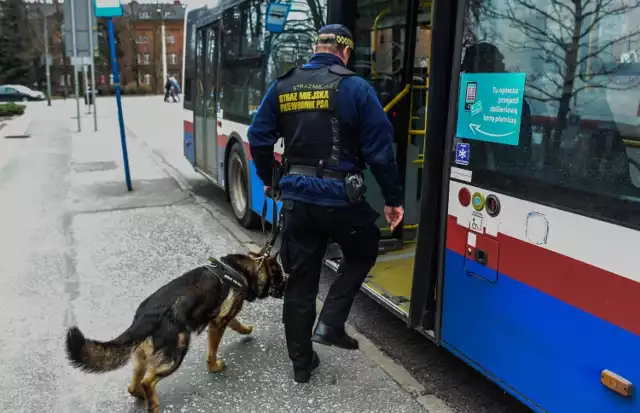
(122, 246)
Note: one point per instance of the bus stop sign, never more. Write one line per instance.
(277, 16)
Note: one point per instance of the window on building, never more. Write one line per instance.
(147, 79)
(142, 39)
(147, 58)
(173, 58)
(171, 39)
(144, 15)
(578, 144)
(139, 58)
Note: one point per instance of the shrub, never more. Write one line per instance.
(106, 90)
(11, 109)
(130, 89)
(145, 89)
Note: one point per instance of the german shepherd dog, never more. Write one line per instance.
(159, 336)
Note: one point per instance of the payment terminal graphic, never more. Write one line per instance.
(470, 95)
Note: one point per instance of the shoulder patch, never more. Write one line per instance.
(340, 70)
(287, 73)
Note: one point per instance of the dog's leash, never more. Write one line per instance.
(276, 219)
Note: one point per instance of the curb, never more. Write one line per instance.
(429, 402)
(17, 127)
(215, 213)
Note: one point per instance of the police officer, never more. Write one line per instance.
(333, 126)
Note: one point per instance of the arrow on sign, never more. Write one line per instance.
(476, 129)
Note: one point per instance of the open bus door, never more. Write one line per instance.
(394, 53)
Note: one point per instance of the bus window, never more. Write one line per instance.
(294, 46)
(242, 68)
(579, 140)
(379, 39)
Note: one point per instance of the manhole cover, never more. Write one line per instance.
(94, 166)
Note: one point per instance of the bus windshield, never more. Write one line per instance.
(579, 142)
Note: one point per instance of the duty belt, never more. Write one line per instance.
(313, 171)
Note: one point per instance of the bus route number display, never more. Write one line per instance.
(277, 16)
(490, 107)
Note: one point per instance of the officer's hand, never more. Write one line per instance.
(394, 216)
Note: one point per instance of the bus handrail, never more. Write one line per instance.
(398, 98)
(374, 46)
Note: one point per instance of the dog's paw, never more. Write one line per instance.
(136, 392)
(246, 330)
(216, 366)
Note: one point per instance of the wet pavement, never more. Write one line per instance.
(78, 248)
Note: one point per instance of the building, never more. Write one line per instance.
(140, 44)
(138, 47)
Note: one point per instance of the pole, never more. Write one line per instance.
(93, 65)
(116, 82)
(75, 60)
(46, 58)
(85, 76)
(164, 53)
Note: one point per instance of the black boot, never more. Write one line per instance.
(304, 375)
(330, 336)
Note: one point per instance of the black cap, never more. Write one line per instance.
(336, 34)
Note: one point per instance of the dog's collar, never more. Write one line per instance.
(228, 275)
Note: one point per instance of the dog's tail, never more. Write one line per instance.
(99, 357)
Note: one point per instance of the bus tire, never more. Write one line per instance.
(238, 184)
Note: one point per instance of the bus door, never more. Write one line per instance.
(392, 51)
(543, 215)
(206, 133)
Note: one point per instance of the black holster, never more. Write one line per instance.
(356, 188)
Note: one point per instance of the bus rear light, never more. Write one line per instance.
(616, 383)
(464, 196)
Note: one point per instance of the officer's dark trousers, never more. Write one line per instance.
(307, 230)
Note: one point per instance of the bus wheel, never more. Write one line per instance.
(239, 188)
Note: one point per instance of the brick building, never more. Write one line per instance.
(138, 46)
(140, 43)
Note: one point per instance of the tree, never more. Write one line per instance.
(16, 45)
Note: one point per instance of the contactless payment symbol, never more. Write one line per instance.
(462, 153)
(477, 201)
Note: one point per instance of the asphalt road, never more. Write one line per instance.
(464, 389)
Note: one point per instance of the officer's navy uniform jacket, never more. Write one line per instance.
(361, 123)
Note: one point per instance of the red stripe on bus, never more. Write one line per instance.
(188, 127)
(594, 290)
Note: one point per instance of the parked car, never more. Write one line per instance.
(19, 93)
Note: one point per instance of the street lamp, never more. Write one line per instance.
(164, 46)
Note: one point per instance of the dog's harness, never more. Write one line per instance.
(228, 276)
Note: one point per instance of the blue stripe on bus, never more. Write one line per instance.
(257, 195)
(548, 351)
(188, 148)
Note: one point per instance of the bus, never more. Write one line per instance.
(517, 131)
